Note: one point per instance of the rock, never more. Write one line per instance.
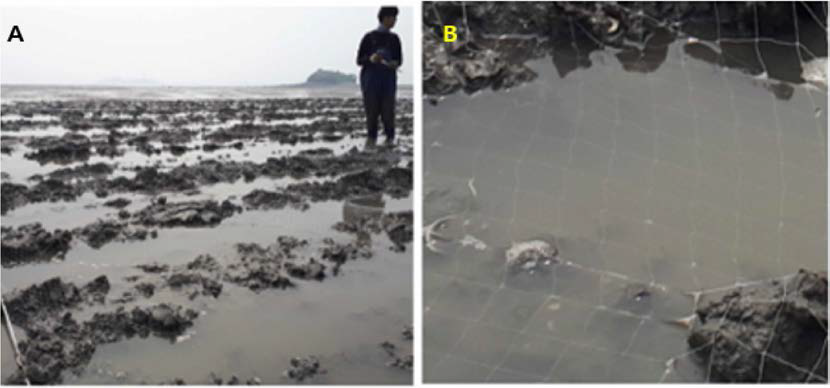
(784, 320)
(31, 243)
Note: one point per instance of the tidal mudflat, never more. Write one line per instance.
(204, 236)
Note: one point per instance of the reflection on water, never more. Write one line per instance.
(662, 172)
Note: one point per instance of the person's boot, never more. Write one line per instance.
(390, 142)
(371, 142)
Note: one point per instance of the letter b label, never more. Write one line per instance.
(449, 33)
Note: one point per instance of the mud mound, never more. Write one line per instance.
(59, 343)
(190, 213)
(771, 333)
(69, 148)
(41, 301)
(31, 243)
(264, 199)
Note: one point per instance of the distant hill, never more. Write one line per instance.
(330, 77)
(119, 81)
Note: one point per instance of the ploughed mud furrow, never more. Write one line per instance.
(155, 169)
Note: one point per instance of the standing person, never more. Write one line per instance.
(379, 56)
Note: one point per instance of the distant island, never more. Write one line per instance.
(330, 77)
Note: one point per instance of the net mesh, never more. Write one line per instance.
(666, 179)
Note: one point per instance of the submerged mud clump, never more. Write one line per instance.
(531, 256)
(31, 243)
(304, 368)
(397, 356)
(776, 332)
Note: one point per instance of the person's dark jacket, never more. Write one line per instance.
(384, 42)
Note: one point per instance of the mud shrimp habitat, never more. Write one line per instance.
(205, 241)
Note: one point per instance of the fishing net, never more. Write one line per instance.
(678, 170)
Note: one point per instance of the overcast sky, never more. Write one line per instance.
(227, 45)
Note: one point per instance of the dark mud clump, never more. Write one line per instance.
(258, 267)
(118, 203)
(50, 190)
(69, 148)
(189, 213)
(340, 253)
(396, 359)
(775, 332)
(196, 282)
(62, 343)
(84, 171)
(304, 368)
(233, 380)
(42, 301)
(312, 269)
(264, 199)
(31, 243)
(99, 233)
(162, 320)
(55, 341)
(395, 181)
(153, 267)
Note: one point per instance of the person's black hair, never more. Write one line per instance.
(387, 11)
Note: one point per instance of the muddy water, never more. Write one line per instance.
(341, 320)
(655, 187)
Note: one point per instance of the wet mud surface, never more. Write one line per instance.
(783, 323)
(625, 193)
(492, 47)
(137, 233)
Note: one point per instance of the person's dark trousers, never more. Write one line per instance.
(379, 101)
